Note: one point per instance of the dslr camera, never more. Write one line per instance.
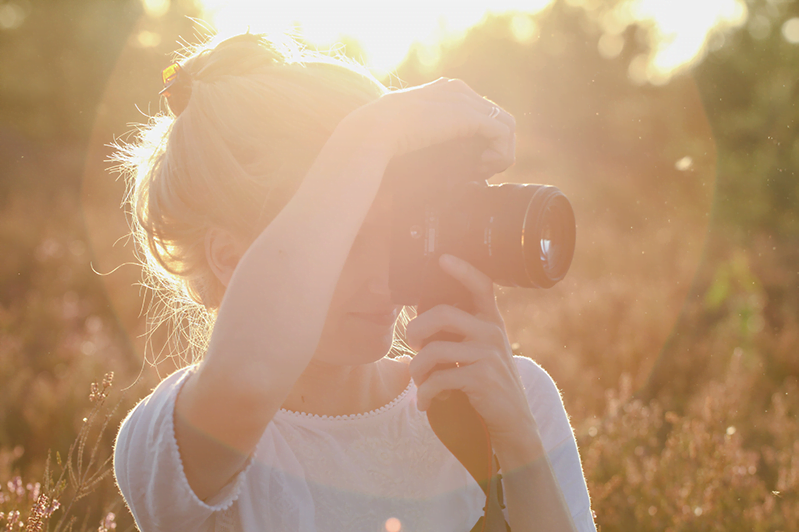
(519, 235)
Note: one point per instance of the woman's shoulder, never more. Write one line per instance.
(534, 375)
(170, 385)
(158, 404)
(545, 401)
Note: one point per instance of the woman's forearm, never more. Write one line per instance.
(533, 496)
(274, 309)
(276, 304)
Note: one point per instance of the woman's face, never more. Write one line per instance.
(360, 322)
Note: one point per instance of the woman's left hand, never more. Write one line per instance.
(481, 365)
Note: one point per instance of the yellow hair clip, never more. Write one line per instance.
(170, 76)
(177, 87)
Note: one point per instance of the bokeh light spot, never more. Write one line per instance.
(610, 45)
(716, 41)
(11, 16)
(428, 55)
(684, 164)
(156, 8)
(524, 28)
(790, 30)
(636, 71)
(759, 27)
(148, 39)
(393, 525)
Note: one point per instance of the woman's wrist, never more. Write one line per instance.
(533, 495)
(364, 132)
(519, 449)
(534, 498)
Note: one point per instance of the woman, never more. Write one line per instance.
(261, 202)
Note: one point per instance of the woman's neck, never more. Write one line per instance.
(331, 390)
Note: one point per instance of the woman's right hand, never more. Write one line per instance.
(411, 119)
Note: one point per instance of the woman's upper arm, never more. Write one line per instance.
(556, 433)
(149, 469)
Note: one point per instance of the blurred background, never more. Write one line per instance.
(673, 127)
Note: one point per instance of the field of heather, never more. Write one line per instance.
(674, 338)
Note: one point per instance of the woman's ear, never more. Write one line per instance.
(223, 250)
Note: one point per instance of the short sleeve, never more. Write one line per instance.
(149, 470)
(558, 439)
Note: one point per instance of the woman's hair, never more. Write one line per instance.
(253, 113)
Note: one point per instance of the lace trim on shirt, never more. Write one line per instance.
(349, 417)
(228, 494)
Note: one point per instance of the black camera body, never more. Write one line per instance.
(517, 234)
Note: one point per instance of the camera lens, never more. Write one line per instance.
(548, 236)
(519, 235)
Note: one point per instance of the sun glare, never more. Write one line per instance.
(385, 30)
(682, 28)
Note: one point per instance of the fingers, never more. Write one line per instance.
(502, 150)
(509, 148)
(446, 109)
(485, 325)
(451, 319)
(461, 378)
(498, 135)
(423, 122)
(437, 356)
(501, 140)
(479, 284)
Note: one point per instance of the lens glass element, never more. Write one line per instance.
(546, 243)
(549, 230)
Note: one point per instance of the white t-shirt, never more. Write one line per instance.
(344, 473)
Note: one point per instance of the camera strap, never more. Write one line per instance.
(461, 429)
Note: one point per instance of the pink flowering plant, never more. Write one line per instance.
(52, 504)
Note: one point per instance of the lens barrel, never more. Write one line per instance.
(519, 235)
(548, 237)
